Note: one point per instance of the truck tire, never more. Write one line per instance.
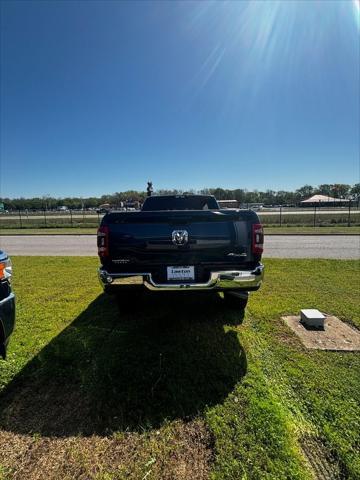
(236, 299)
(127, 299)
(110, 289)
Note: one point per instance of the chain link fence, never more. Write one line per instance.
(311, 217)
(275, 217)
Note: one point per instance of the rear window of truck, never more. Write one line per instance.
(180, 203)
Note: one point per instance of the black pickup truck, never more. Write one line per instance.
(181, 243)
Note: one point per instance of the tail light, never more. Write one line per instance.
(257, 238)
(5, 268)
(103, 241)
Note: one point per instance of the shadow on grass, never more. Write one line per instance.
(128, 365)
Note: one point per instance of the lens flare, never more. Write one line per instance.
(356, 7)
(250, 40)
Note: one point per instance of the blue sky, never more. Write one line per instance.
(98, 97)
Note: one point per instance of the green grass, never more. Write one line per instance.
(49, 231)
(52, 222)
(177, 386)
(335, 230)
(307, 219)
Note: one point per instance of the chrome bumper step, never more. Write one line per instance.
(231, 279)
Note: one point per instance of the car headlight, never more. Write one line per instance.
(5, 268)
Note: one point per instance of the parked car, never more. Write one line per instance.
(181, 243)
(7, 303)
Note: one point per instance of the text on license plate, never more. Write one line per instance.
(180, 273)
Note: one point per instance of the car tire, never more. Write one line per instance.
(236, 300)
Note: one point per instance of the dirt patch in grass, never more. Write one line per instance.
(177, 451)
(322, 463)
(33, 408)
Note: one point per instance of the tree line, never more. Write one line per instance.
(243, 196)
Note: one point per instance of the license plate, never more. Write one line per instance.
(180, 273)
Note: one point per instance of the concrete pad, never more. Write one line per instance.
(337, 335)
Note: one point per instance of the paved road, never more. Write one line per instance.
(277, 246)
(312, 246)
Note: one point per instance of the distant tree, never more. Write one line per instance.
(305, 191)
(355, 191)
(283, 197)
(219, 193)
(92, 202)
(325, 189)
(340, 190)
(253, 197)
(268, 197)
(164, 191)
(239, 195)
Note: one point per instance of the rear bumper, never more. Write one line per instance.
(223, 280)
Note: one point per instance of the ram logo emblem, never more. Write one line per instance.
(180, 237)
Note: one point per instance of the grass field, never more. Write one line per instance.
(52, 222)
(337, 229)
(177, 387)
(49, 231)
(307, 219)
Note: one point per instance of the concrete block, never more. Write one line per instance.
(312, 318)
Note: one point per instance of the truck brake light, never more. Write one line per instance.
(103, 241)
(257, 238)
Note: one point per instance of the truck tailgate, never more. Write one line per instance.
(139, 240)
